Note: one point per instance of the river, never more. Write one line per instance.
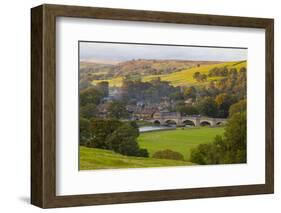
(155, 128)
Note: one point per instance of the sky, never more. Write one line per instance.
(123, 52)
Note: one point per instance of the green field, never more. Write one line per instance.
(183, 77)
(179, 140)
(91, 158)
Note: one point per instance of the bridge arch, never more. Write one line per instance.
(218, 123)
(171, 122)
(205, 123)
(156, 122)
(188, 122)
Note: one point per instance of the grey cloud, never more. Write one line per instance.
(122, 52)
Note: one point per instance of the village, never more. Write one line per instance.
(161, 113)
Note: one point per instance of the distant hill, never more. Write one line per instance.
(178, 72)
(102, 70)
(90, 62)
(155, 67)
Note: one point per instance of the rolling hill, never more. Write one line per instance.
(91, 158)
(180, 77)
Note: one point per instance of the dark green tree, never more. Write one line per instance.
(196, 75)
(84, 131)
(203, 77)
(207, 106)
(117, 109)
(88, 111)
(100, 129)
(184, 109)
(229, 149)
(238, 107)
(123, 141)
(103, 86)
(235, 137)
(90, 96)
(223, 102)
(190, 92)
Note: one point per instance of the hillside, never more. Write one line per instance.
(92, 70)
(182, 76)
(186, 76)
(91, 158)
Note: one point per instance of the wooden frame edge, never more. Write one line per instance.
(36, 106)
(43, 180)
(269, 105)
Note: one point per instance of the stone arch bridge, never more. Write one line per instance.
(176, 118)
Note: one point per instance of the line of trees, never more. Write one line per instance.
(215, 98)
(229, 148)
(199, 77)
(152, 92)
(111, 134)
(208, 106)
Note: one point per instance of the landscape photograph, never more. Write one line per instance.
(161, 105)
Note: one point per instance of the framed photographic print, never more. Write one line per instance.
(137, 106)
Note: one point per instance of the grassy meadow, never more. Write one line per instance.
(91, 158)
(179, 140)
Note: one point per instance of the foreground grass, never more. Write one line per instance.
(179, 140)
(91, 158)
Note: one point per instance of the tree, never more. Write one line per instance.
(117, 109)
(218, 71)
(236, 138)
(243, 70)
(190, 92)
(177, 95)
(84, 83)
(111, 135)
(196, 75)
(203, 77)
(223, 102)
(207, 106)
(103, 87)
(233, 72)
(240, 106)
(211, 89)
(123, 141)
(90, 96)
(135, 126)
(84, 131)
(88, 111)
(204, 154)
(229, 149)
(99, 130)
(200, 77)
(224, 71)
(186, 109)
(149, 92)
